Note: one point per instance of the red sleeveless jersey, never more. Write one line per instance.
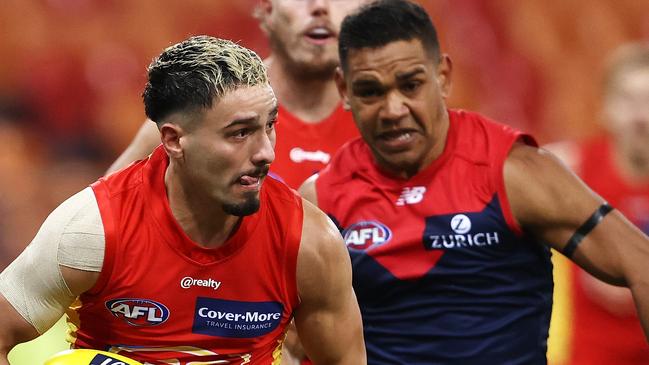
(599, 336)
(163, 299)
(442, 272)
(302, 149)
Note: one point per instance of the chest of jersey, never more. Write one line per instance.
(441, 272)
(163, 299)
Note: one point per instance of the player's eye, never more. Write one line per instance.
(271, 124)
(369, 92)
(411, 86)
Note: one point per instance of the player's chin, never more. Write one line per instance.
(407, 160)
(248, 205)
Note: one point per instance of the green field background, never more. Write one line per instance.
(35, 352)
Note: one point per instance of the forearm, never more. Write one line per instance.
(13, 331)
(640, 292)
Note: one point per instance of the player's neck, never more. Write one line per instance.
(311, 100)
(203, 220)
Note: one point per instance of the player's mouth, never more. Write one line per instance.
(251, 181)
(320, 35)
(396, 140)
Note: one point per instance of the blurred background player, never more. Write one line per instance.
(303, 38)
(450, 239)
(216, 235)
(601, 319)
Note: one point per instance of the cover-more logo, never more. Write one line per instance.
(236, 319)
(411, 195)
(138, 312)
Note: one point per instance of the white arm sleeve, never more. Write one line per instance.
(72, 236)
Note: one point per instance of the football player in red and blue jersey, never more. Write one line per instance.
(449, 216)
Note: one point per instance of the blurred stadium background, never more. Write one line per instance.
(71, 74)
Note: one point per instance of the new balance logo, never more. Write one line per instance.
(412, 195)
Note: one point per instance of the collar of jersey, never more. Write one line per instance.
(423, 177)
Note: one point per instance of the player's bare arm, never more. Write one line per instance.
(328, 319)
(14, 329)
(293, 352)
(47, 277)
(550, 202)
(146, 139)
(308, 190)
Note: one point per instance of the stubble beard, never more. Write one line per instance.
(249, 206)
(303, 66)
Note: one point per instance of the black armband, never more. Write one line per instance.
(585, 228)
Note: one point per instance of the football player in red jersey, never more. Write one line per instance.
(450, 238)
(602, 322)
(312, 123)
(191, 255)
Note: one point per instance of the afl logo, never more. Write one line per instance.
(362, 235)
(138, 312)
(460, 224)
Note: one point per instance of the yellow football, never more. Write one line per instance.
(88, 357)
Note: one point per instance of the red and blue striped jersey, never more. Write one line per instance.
(442, 271)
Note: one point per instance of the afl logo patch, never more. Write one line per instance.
(362, 235)
(460, 224)
(138, 312)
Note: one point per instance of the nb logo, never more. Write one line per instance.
(412, 195)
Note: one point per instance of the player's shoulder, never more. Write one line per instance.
(78, 211)
(320, 235)
(567, 151)
(472, 127)
(351, 157)
(482, 140)
(323, 262)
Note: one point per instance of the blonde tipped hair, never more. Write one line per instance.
(193, 74)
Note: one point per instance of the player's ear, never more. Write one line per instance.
(444, 73)
(170, 134)
(342, 88)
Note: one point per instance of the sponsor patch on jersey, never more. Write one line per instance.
(138, 312)
(299, 155)
(459, 231)
(228, 318)
(187, 282)
(362, 235)
(411, 195)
